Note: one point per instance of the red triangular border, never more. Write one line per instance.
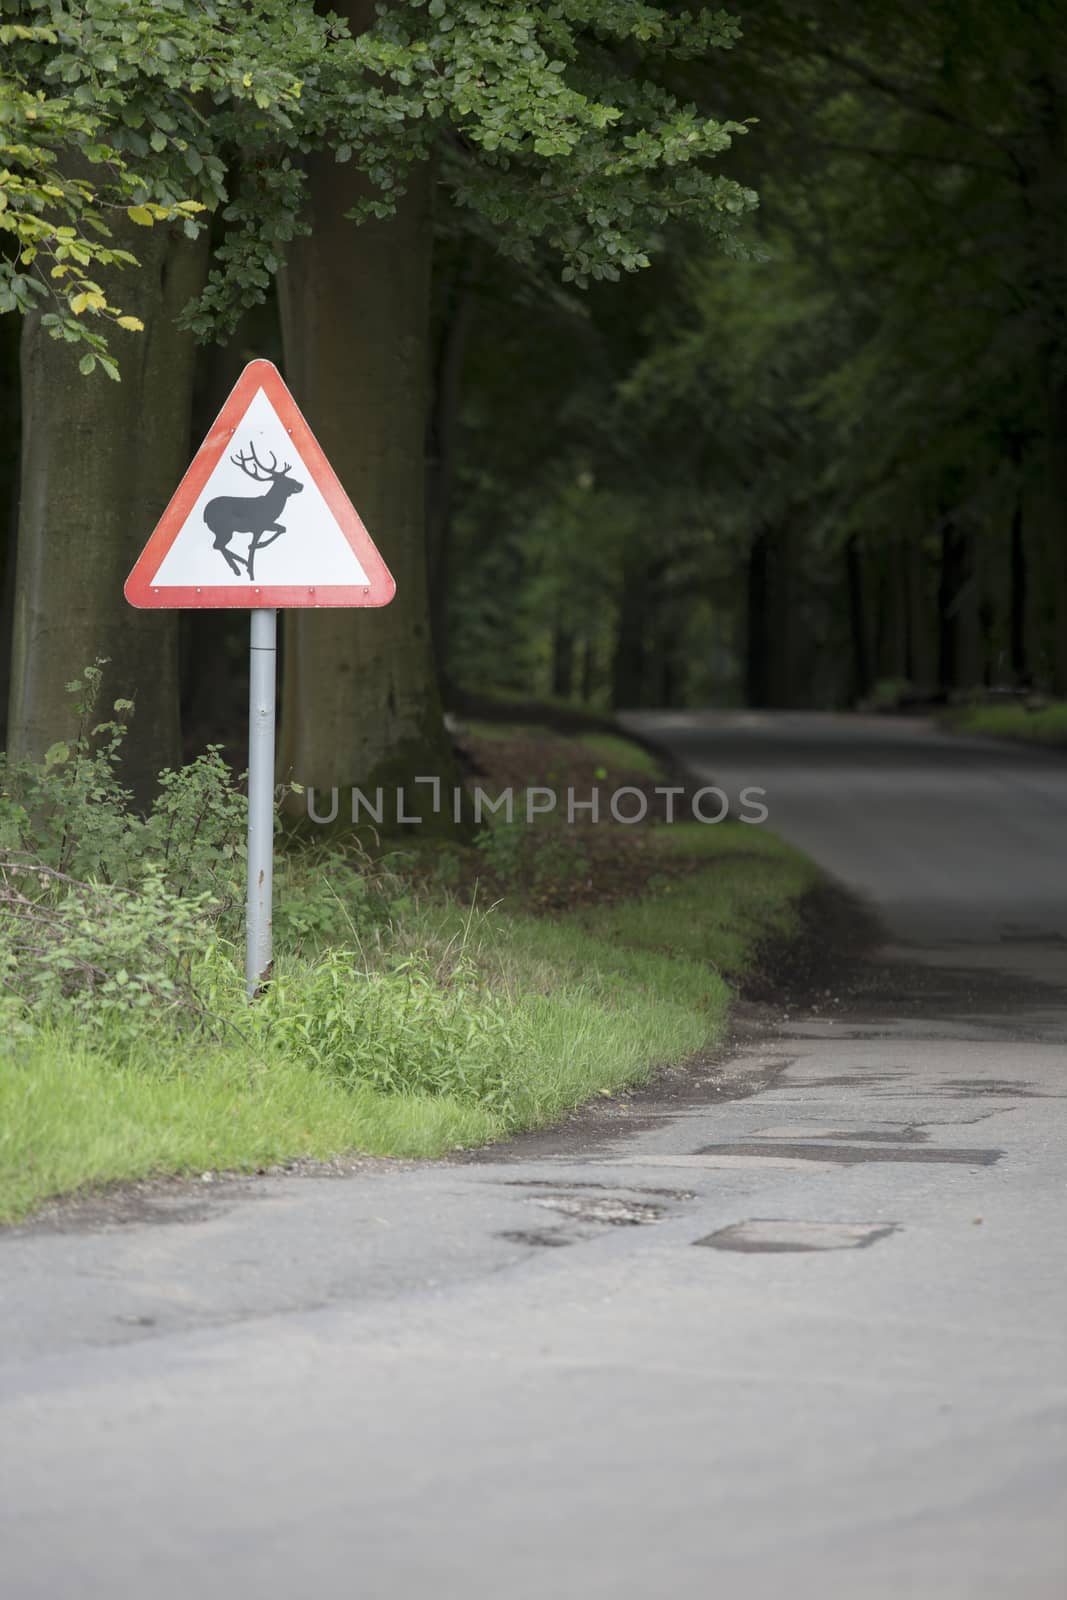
(380, 587)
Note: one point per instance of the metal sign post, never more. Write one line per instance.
(259, 906)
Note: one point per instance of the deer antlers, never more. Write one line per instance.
(258, 470)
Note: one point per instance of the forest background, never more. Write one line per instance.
(672, 356)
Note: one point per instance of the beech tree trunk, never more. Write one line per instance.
(99, 462)
(949, 583)
(360, 701)
(1018, 605)
(757, 676)
(588, 670)
(921, 628)
(629, 660)
(442, 439)
(563, 663)
(771, 630)
(901, 641)
(857, 616)
(9, 475)
(1057, 511)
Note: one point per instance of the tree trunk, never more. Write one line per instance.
(442, 436)
(667, 688)
(757, 677)
(588, 671)
(10, 424)
(360, 702)
(1017, 654)
(857, 616)
(631, 643)
(969, 669)
(563, 663)
(1048, 273)
(901, 642)
(920, 620)
(100, 460)
(948, 601)
(1057, 509)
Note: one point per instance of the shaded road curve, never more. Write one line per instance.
(952, 840)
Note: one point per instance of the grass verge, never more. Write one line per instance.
(526, 1018)
(610, 751)
(1043, 725)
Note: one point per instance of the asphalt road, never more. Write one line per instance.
(793, 1325)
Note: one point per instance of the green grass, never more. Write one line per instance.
(614, 750)
(719, 916)
(587, 1003)
(619, 754)
(515, 697)
(508, 730)
(1045, 726)
(70, 1117)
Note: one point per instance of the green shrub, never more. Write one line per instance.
(116, 920)
(70, 812)
(122, 962)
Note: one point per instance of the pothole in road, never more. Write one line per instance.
(851, 1155)
(978, 1088)
(582, 1183)
(766, 1235)
(849, 1080)
(602, 1208)
(546, 1238)
(894, 1133)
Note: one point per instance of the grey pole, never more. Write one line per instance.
(258, 949)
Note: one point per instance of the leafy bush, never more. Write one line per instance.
(128, 962)
(72, 813)
(104, 913)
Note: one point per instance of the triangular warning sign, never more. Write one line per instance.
(260, 518)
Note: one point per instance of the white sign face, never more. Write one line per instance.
(259, 519)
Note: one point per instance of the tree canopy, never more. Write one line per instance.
(543, 128)
(676, 447)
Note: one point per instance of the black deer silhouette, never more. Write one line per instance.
(254, 514)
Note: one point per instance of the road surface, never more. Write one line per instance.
(794, 1325)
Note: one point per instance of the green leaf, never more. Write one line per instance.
(87, 364)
